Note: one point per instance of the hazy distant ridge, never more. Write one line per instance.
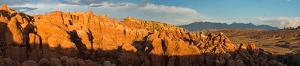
(210, 25)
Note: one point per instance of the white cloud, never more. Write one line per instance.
(263, 18)
(282, 22)
(42, 8)
(169, 14)
(32, 5)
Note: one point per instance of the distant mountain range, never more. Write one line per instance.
(198, 26)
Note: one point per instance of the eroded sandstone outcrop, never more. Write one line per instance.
(85, 39)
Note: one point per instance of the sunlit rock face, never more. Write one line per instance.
(85, 39)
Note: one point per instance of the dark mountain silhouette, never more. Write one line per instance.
(198, 26)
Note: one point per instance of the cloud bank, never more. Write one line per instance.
(282, 22)
(169, 14)
(23, 9)
(82, 2)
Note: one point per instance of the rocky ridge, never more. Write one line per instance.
(85, 39)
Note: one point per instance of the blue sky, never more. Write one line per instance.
(278, 13)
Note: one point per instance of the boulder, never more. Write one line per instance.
(55, 61)
(44, 62)
(30, 63)
(9, 62)
(108, 63)
(91, 63)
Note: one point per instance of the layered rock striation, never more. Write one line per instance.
(85, 39)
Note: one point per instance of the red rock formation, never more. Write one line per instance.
(4, 7)
(77, 36)
(14, 30)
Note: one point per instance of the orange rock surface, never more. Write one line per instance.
(85, 39)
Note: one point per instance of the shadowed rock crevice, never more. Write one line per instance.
(83, 51)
